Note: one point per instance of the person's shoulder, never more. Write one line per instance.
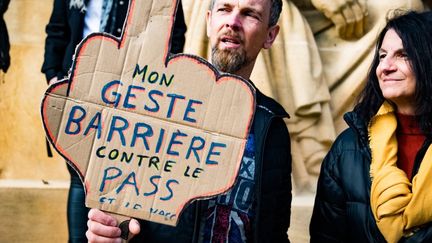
(347, 152)
(270, 105)
(346, 140)
(341, 155)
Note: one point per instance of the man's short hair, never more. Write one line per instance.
(275, 10)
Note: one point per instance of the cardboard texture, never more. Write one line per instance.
(148, 132)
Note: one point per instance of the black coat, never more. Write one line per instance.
(273, 187)
(4, 38)
(342, 210)
(65, 31)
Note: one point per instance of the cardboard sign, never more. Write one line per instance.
(148, 132)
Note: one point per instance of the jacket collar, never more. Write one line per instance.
(356, 122)
(269, 104)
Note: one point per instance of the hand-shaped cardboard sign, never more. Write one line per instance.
(148, 133)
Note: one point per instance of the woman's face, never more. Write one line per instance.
(395, 76)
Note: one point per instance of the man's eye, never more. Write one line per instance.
(251, 14)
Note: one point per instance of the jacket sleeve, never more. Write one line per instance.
(58, 37)
(328, 223)
(275, 208)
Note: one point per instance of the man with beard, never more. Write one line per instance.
(238, 30)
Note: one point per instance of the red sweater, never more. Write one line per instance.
(410, 139)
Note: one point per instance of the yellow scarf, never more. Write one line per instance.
(397, 205)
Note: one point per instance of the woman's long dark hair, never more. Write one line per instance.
(415, 31)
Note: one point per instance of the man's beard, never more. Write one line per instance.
(228, 60)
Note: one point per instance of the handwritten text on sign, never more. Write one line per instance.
(148, 133)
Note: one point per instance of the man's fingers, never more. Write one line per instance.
(103, 230)
(93, 238)
(102, 227)
(134, 227)
(101, 217)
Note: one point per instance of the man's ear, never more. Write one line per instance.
(271, 36)
(208, 20)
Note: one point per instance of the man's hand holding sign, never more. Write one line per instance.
(147, 132)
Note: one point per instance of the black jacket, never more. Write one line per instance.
(273, 188)
(342, 210)
(4, 38)
(65, 31)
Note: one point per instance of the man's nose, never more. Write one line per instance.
(233, 20)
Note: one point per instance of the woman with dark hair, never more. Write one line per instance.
(375, 182)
